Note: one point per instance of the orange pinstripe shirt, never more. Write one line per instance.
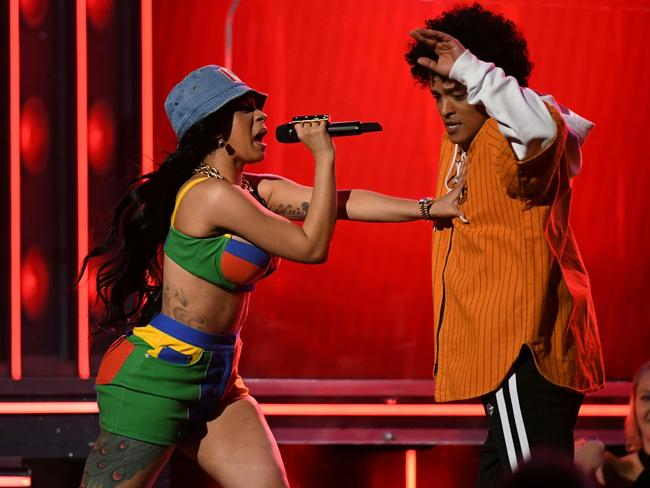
(513, 275)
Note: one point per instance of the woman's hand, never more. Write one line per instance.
(314, 135)
(446, 47)
(448, 206)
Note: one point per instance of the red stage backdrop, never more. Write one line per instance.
(367, 313)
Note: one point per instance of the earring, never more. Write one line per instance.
(222, 144)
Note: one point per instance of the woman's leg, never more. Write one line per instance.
(238, 449)
(116, 460)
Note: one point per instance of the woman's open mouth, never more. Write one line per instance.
(258, 139)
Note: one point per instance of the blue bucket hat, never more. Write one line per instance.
(201, 93)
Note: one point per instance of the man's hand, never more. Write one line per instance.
(446, 47)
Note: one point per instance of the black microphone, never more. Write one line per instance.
(286, 133)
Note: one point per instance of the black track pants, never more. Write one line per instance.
(526, 415)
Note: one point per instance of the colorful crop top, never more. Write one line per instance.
(227, 261)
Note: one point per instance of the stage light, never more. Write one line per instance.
(99, 12)
(34, 135)
(146, 73)
(101, 136)
(14, 190)
(81, 22)
(15, 481)
(410, 465)
(320, 409)
(35, 283)
(33, 11)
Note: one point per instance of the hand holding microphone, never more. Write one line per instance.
(286, 133)
(313, 134)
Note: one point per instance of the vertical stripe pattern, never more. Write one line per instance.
(513, 275)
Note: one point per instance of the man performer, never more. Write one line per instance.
(514, 318)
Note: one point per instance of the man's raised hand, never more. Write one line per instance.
(446, 47)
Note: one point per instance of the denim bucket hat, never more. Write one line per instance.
(201, 93)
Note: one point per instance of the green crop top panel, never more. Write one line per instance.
(227, 261)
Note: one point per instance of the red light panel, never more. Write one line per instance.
(318, 409)
(14, 184)
(146, 45)
(99, 12)
(33, 11)
(101, 136)
(410, 468)
(34, 283)
(34, 135)
(15, 481)
(83, 362)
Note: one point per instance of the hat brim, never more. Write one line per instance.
(217, 102)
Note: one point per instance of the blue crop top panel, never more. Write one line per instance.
(227, 261)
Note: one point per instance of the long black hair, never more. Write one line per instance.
(129, 278)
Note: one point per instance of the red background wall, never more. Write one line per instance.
(367, 313)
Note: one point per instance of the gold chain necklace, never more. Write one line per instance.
(211, 172)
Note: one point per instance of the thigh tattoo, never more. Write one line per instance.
(115, 459)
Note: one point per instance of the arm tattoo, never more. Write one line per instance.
(115, 459)
(176, 302)
(288, 211)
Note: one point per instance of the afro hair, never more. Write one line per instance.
(489, 36)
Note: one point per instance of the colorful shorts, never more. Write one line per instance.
(160, 381)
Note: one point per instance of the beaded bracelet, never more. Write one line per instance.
(425, 204)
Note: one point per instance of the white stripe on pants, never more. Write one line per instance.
(520, 428)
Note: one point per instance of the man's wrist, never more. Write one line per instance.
(469, 70)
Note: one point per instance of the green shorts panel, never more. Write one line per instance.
(154, 400)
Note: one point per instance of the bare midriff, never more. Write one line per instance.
(199, 304)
